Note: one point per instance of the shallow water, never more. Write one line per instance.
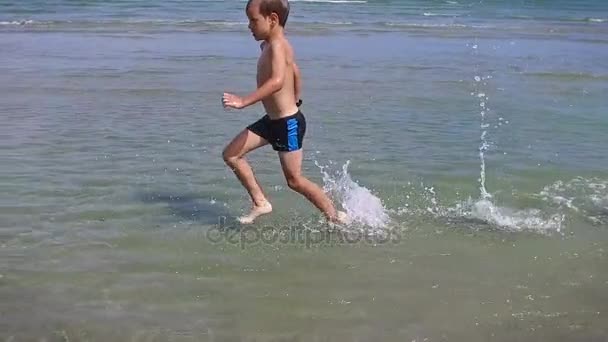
(117, 213)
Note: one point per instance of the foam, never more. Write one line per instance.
(17, 22)
(587, 197)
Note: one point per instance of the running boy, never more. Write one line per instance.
(284, 126)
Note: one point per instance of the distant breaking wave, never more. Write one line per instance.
(194, 23)
(67, 24)
(205, 25)
(431, 14)
(17, 22)
(425, 25)
(549, 18)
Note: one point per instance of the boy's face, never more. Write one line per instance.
(259, 25)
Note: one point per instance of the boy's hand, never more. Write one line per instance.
(233, 101)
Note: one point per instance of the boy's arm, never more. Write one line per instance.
(273, 84)
(297, 82)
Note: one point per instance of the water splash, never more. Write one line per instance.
(362, 207)
(483, 145)
(484, 208)
(516, 220)
(587, 197)
(479, 213)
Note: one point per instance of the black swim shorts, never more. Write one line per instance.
(285, 134)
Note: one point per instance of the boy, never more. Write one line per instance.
(284, 125)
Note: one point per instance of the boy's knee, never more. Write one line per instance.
(229, 158)
(294, 182)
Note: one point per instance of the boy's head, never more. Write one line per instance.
(265, 15)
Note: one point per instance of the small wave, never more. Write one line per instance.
(554, 18)
(337, 23)
(567, 75)
(318, 24)
(422, 25)
(128, 24)
(431, 14)
(17, 22)
(588, 19)
(119, 25)
(176, 22)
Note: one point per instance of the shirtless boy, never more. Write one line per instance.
(283, 126)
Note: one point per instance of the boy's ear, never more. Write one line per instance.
(274, 18)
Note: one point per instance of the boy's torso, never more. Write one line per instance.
(282, 103)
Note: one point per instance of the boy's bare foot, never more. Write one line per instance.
(340, 218)
(256, 211)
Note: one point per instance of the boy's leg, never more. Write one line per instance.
(233, 155)
(291, 162)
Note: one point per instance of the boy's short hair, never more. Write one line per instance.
(280, 7)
